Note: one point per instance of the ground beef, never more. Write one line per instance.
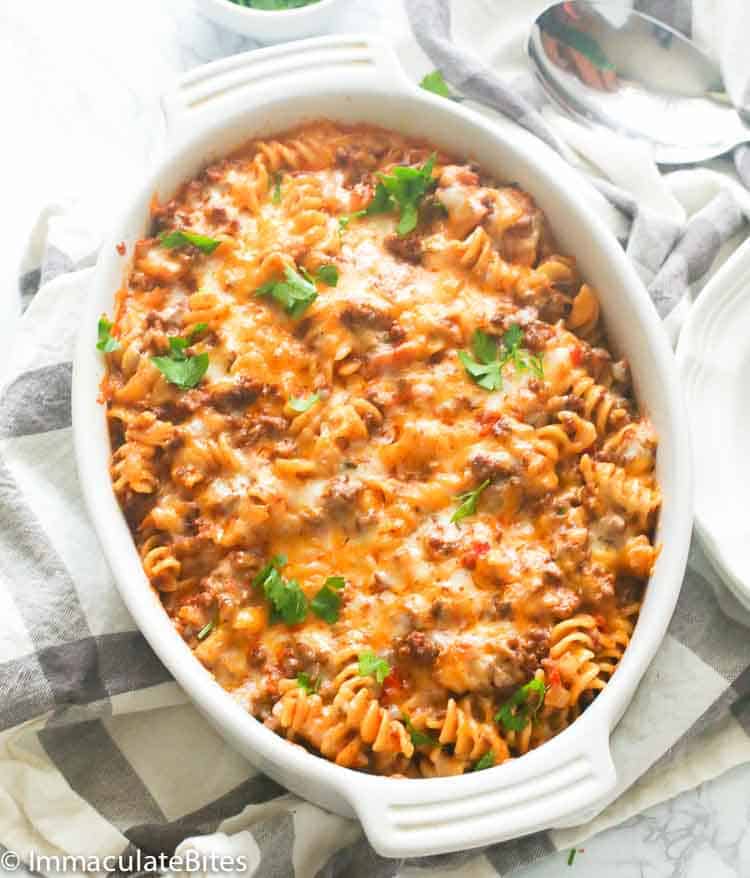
(536, 333)
(262, 427)
(492, 465)
(360, 315)
(416, 646)
(567, 403)
(406, 247)
(441, 541)
(534, 647)
(240, 395)
(561, 602)
(341, 495)
(629, 591)
(358, 163)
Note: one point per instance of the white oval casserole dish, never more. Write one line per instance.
(351, 79)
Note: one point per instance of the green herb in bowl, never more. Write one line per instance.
(274, 5)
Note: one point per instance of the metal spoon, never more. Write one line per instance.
(612, 67)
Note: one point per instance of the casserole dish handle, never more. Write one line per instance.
(214, 90)
(564, 782)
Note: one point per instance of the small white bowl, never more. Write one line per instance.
(273, 26)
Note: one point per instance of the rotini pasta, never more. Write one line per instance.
(390, 485)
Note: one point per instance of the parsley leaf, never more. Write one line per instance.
(346, 218)
(407, 187)
(287, 598)
(487, 364)
(276, 563)
(196, 331)
(274, 5)
(435, 82)
(418, 737)
(327, 602)
(106, 342)
(295, 294)
(303, 403)
(206, 630)
(183, 237)
(276, 196)
(310, 686)
(484, 367)
(487, 761)
(469, 502)
(179, 369)
(328, 274)
(401, 190)
(517, 712)
(513, 352)
(184, 373)
(371, 665)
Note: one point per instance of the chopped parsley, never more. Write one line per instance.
(402, 190)
(177, 367)
(489, 359)
(276, 196)
(206, 630)
(328, 274)
(183, 237)
(327, 602)
(418, 737)
(371, 665)
(196, 331)
(274, 5)
(106, 342)
(469, 501)
(287, 598)
(518, 710)
(310, 686)
(295, 294)
(303, 403)
(520, 357)
(487, 761)
(435, 82)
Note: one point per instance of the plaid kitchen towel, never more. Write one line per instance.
(99, 752)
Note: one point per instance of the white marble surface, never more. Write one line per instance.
(80, 86)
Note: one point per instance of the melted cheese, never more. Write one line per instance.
(365, 483)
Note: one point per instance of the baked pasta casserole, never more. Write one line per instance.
(384, 473)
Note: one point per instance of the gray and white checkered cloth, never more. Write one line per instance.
(99, 751)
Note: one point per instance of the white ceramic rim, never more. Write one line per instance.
(711, 306)
(567, 779)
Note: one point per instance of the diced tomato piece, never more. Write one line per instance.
(576, 355)
(487, 421)
(393, 684)
(553, 677)
(477, 550)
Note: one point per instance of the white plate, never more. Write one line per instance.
(714, 359)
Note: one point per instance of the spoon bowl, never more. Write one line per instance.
(611, 67)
